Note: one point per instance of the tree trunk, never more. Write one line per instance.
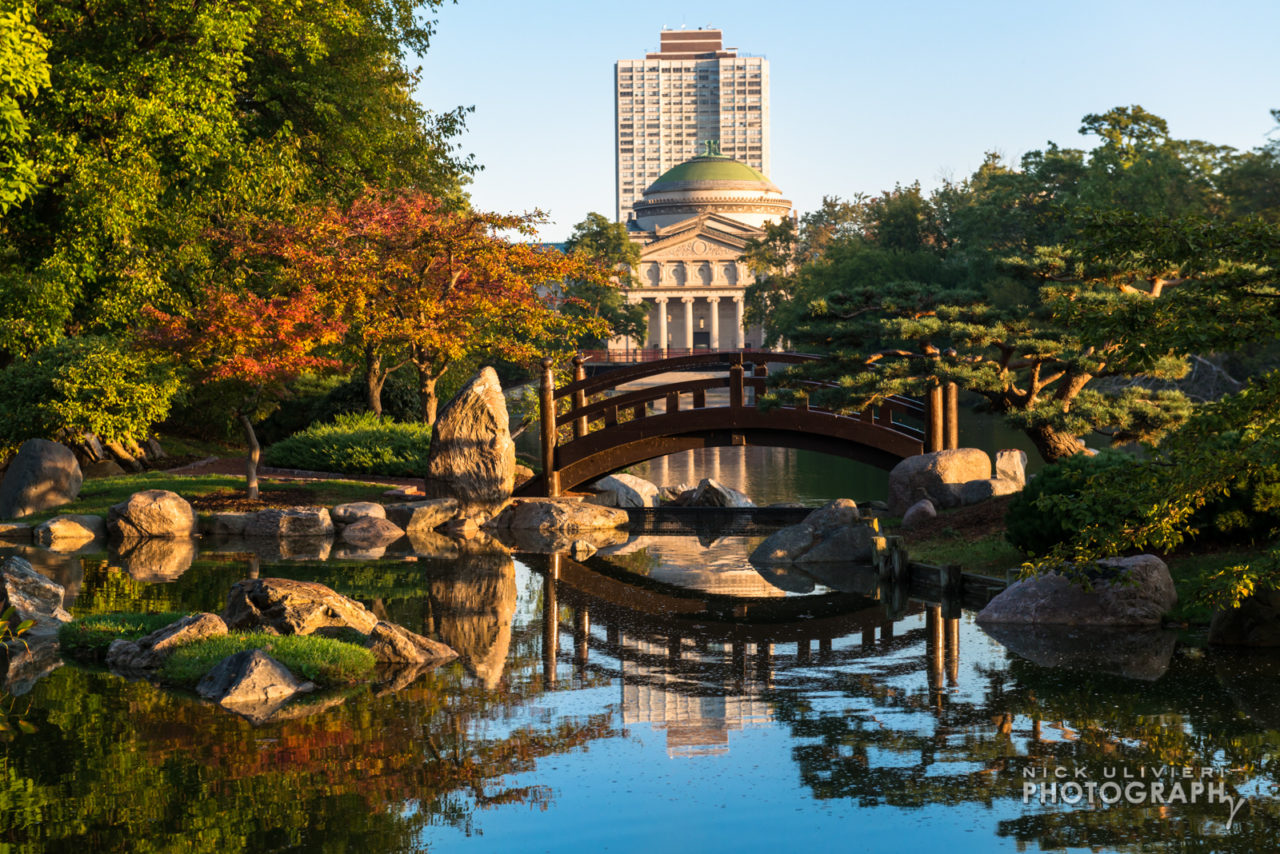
(374, 379)
(427, 390)
(251, 461)
(1054, 445)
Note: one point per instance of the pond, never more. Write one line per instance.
(661, 695)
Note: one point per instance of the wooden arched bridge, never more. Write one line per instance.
(592, 427)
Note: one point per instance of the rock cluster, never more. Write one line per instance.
(953, 478)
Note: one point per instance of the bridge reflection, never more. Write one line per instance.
(702, 665)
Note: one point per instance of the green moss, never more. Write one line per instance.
(322, 660)
(87, 638)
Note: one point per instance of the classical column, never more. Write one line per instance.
(688, 322)
(715, 322)
(661, 302)
(738, 333)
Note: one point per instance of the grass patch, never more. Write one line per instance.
(97, 495)
(325, 661)
(87, 638)
(988, 555)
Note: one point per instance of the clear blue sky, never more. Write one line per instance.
(864, 94)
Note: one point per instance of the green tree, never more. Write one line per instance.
(605, 243)
(1030, 286)
(167, 118)
(85, 385)
(24, 71)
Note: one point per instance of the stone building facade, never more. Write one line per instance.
(692, 225)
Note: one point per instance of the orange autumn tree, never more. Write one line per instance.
(246, 349)
(421, 284)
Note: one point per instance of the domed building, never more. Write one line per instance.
(693, 224)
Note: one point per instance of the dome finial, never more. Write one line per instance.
(712, 148)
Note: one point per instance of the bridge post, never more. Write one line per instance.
(934, 419)
(550, 477)
(952, 417)
(579, 397)
(735, 381)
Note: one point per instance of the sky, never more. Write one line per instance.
(863, 96)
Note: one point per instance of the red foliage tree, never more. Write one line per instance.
(423, 284)
(247, 348)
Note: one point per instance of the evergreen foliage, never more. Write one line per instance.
(1057, 292)
(357, 443)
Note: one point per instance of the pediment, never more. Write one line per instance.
(703, 237)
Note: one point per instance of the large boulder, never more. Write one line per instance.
(31, 595)
(70, 532)
(251, 684)
(43, 475)
(625, 490)
(371, 533)
(345, 514)
(152, 513)
(1255, 623)
(472, 456)
(291, 522)
(287, 607)
(149, 652)
(562, 516)
(395, 644)
(936, 476)
(1131, 591)
(418, 517)
(713, 493)
(830, 534)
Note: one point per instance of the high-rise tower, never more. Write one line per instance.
(692, 90)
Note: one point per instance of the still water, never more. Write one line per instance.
(661, 696)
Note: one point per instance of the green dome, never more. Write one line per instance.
(706, 169)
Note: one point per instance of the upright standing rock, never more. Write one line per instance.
(472, 457)
(43, 475)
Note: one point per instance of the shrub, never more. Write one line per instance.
(1035, 529)
(84, 385)
(356, 444)
(325, 661)
(87, 638)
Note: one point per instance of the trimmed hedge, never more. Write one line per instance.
(356, 444)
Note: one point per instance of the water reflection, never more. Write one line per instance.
(632, 706)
